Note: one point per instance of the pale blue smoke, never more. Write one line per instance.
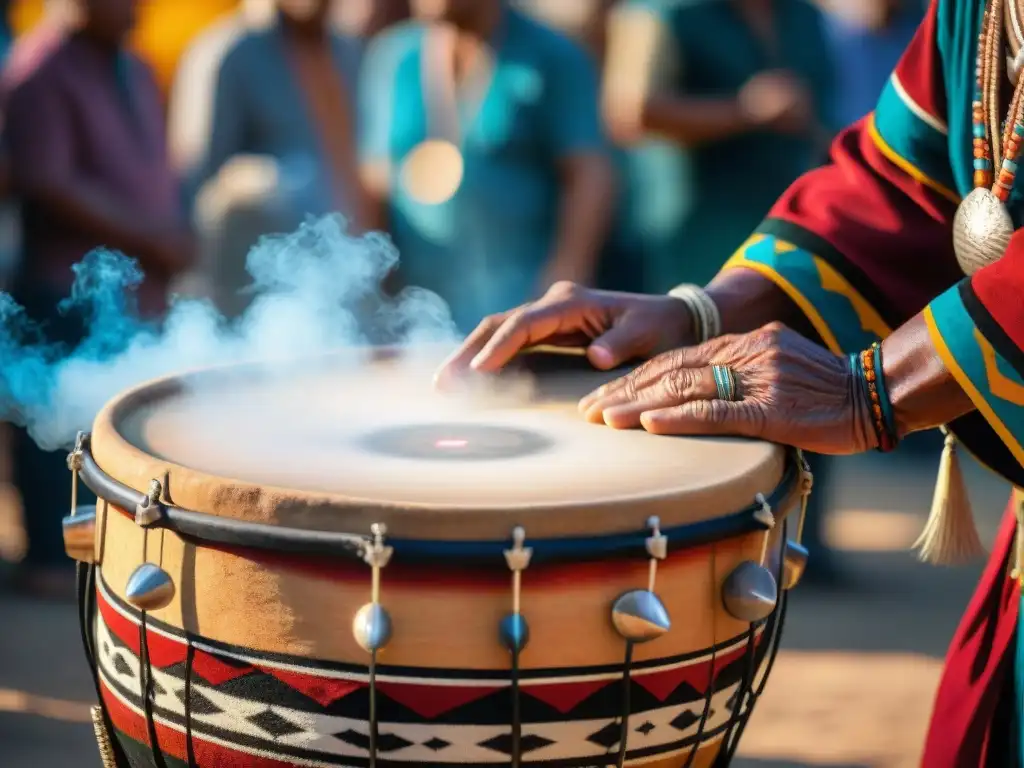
(314, 291)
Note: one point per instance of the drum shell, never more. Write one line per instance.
(298, 612)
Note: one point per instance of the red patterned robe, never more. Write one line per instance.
(864, 244)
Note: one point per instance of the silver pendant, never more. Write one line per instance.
(982, 230)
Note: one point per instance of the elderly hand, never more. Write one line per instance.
(614, 327)
(790, 390)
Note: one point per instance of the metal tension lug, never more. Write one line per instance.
(79, 532)
(150, 511)
(639, 615)
(372, 625)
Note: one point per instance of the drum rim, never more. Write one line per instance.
(326, 511)
(214, 529)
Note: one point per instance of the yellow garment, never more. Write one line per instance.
(165, 28)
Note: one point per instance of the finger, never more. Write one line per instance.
(622, 409)
(523, 328)
(640, 378)
(706, 417)
(626, 339)
(650, 372)
(459, 361)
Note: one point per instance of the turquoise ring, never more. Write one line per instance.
(725, 382)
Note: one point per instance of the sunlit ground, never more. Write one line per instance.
(851, 689)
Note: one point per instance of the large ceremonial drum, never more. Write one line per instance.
(333, 565)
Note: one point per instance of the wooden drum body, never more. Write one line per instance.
(499, 605)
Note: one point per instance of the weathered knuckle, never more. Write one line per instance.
(774, 333)
(649, 368)
(718, 412)
(705, 410)
(492, 322)
(564, 289)
(772, 357)
(673, 384)
(676, 358)
(629, 389)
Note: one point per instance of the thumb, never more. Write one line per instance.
(628, 338)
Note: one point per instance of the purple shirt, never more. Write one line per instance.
(79, 112)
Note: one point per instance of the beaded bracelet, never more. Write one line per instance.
(867, 370)
(888, 416)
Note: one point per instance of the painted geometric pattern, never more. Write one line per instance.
(993, 385)
(841, 316)
(298, 712)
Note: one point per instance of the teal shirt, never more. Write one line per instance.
(259, 109)
(484, 249)
(686, 211)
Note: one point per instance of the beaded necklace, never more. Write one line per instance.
(982, 227)
(1015, 63)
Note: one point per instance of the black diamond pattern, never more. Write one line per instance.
(200, 705)
(436, 744)
(386, 742)
(684, 720)
(106, 648)
(733, 701)
(121, 666)
(274, 724)
(158, 690)
(527, 743)
(646, 728)
(607, 737)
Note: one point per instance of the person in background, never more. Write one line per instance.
(367, 18)
(6, 34)
(584, 20)
(193, 89)
(717, 108)
(867, 39)
(84, 132)
(482, 144)
(286, 91)
(279, 144)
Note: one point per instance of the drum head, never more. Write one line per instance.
(338, 445)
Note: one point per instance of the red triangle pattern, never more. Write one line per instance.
(321, 689)
(214, 671)
(565, 696)
(661, 684)
(429, 701)
(164, 651)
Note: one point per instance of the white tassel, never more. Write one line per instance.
(950, 536)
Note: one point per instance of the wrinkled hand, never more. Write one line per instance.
(614, 327)
(779, 101)
(792, 392)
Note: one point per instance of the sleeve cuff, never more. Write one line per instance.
(994, 385)
(843, 318)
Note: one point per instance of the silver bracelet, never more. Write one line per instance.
(707, 320)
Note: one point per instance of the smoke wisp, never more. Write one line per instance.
(314, 291)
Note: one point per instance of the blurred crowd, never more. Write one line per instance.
(503, 145)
